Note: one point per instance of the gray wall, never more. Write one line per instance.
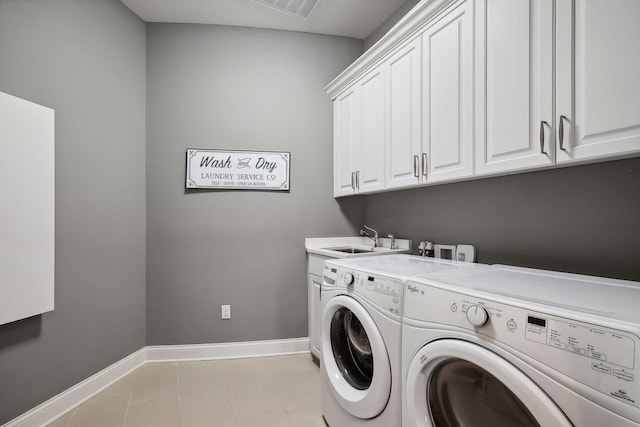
(580, 219)
(86, 60)
(390, 22)
(238, 88)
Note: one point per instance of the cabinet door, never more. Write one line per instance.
(344, 133)
(514, 104)
(404, 116)
(447, 55)
(315, 283)
(604, 118)
(370, 132)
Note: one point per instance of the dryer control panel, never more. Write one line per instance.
(384, 292)
(605, 347)
(604, 358)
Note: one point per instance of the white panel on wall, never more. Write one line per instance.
(27, 198)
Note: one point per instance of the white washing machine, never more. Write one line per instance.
(510, 346)
(361, 303)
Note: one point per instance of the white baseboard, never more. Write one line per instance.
(62, 403)
(232, 350)
(58, 405)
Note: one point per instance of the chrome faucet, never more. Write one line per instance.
(375, 239)
(393, 241)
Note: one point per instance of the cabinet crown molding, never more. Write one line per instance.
(403, 31)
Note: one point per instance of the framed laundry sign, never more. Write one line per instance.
(238, 169)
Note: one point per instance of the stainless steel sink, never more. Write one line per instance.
(351, 250)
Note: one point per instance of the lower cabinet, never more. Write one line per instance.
(315, 267)
(315, 287)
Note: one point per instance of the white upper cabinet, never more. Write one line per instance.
(404, 116)
(598, 79)
(344, 144)
(359, 137)
(514, 69)
(447, 121)
(462, 89)
(371, 133)
(431, 103)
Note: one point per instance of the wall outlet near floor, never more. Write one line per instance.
(225, 311)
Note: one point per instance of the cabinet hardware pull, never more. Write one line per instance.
(358, 180)
(561, 131)
(424, 164)
(353, 185)
(542, 123)
(415, 166)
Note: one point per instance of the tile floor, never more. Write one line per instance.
(281, 391)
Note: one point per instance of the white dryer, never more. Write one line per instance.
(510, 346)
(361, 303)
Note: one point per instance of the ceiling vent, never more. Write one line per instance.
(300, 8)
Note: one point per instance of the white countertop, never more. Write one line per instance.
(324, 245)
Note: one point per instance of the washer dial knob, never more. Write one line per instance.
(477, 315)
(348, 279)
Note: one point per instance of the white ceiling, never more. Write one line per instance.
(350, 18)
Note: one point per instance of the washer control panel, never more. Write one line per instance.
(596, 343)
(385, 292)
(600, 357)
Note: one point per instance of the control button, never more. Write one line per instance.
(454, 307)
(348, 279)
(477, 315)
(557, 344)
(623, 375)
(601, 368)
(576, 350)
(624, 396)
(512, 325)
(597, 355)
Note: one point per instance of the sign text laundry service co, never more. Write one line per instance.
(238, 170)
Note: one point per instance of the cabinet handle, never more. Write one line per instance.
(353, 182)
(416, 160)
(358, 180)
(542, 123)
(561, 132)
(424, 164)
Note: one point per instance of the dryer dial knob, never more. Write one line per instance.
(477, 315)
(348, 279)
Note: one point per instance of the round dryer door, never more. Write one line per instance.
(355, 358)
(457, 383)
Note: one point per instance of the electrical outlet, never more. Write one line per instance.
(225, 311)
(445, 251)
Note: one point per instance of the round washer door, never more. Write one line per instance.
(355, 358)
(457, 383)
